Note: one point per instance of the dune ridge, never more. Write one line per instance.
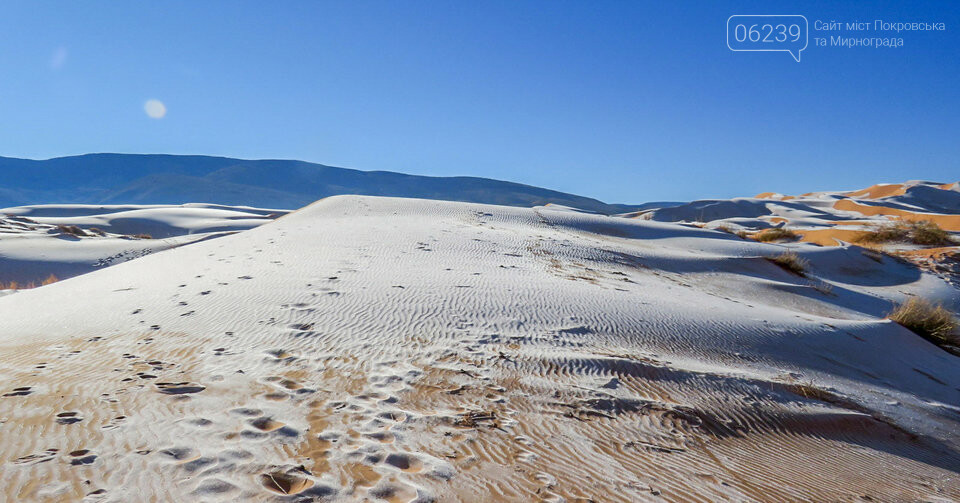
(829, 218)
(66, 240)
(383, 349)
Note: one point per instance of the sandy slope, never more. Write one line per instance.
(838, 218)
(817, 215)
(404, 350)
(32, 247)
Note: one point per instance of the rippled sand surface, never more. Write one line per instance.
(377, 349)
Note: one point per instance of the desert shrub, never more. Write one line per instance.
(884, 234)
(776, 234)
(929, 233)
(921, 232)
(792, 262)
(142, 236)
(72, 230)
(50, 279)
(928, 320)
(96, 230)
(743, 234)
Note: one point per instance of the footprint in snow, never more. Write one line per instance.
(179, 388)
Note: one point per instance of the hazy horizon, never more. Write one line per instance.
(615, 202)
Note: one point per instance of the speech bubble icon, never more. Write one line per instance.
(773, 32)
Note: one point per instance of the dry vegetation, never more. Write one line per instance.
(792, 262)
(71, 230)
(742, 234)
(822, 287)
(776, 234)
(921, 232)
(930, 321)
(14, 285)
(874, 255)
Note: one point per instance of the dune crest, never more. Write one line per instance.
(384, 349)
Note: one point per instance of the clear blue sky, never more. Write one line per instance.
(623, 101)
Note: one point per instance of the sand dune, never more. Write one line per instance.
(880, 191)
(67, 240)
(379, 349)
(827, 218)
(947, 222)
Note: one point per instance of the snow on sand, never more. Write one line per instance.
(66, 240)
(409, 350)
(826, 218)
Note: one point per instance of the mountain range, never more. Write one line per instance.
(178, 179)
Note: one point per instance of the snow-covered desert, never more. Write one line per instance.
(396, 349)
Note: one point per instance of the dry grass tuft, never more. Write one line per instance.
(71, 230)
(922, 232)
(742, 234)
(792, 262)
(811, 391)
(930, 234)
(822, 287)
(874, 255)
(930, 321)
(776, 234)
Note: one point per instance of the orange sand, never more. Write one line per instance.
(773, 195)
(934, 253)
(947, 222)
(878, 191)
(828, 237)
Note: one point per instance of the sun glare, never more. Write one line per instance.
(155, 109)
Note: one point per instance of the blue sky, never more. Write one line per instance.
(622, 101)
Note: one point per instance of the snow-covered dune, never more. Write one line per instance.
(886, 217)
(818, 211)
(70, 239)
(384, 349)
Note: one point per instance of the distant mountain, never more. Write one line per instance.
(178, 179)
